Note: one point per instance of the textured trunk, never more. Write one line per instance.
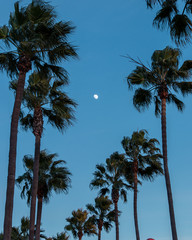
(99, 234)
(37, 131)
(80, 235)
(115, 198)
(116, 221)
(100, 226)
(135, 200)
(34, 187)
(12, 157)
(38, 222)
(167, 178)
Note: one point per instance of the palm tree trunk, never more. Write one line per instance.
(166, 170)
(39, 214)
(99, 234)
(135, 201)
(80, 235)
(100, 226)
(12, 157)
(34, 186)
(116, 221)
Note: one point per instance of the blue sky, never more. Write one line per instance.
(106, 30)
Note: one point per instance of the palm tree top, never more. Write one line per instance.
(80, 222)
(146, 152)
(33, 35)
(163, 79)
(175, 16)
(47, 94)
(53, 176)
(110, 176)
(102, 211)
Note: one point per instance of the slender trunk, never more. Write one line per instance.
(100, 226)
(135, 200)
(38, 222)
(116, 220)
(34, 186)
(167, 178)
(99, 234)
(80, 235)
(12, 157)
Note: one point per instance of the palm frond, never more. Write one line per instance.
(142, 99)
(173, 99)
(180, 29)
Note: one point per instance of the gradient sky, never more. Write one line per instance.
(106, 30)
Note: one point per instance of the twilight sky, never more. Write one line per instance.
(105, 31)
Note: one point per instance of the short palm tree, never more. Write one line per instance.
(53, 176)
(158, 85)
(103, 214)
(60, 236)
(143, 157)
(44, 99)
(81, 224)
(22, 232)
(33, 39)
(176, 16)
(109, 178)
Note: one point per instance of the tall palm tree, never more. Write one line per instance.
(103, 214)
(176, 16)
(143, 157)
(53, 176)
(33, 39)
(109, 178)
(81, 224)
(46, 99)
(158, 84)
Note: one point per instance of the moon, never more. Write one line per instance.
(96, 96)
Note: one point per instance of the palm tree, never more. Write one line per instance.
(176, 16)
(53, 176)
(80, 224)
(109, 178)
(61, 236)
(34, 40)
(21, 232)
(143, 162)
(158, 85)
(46, 99)
(102, 213)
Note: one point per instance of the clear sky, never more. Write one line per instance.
(106, 30)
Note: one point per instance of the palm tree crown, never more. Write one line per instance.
(109, 177)
(103, 214)
(80, 224)
(176, 16)
(162, 80)
(46, 95)
(53, 176)
(145, 152)
(33, 36)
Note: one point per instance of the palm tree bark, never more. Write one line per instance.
(116, 221)
(166, 170)
(99, 234)
(12, 157)
(39, 214)
(135, 200)
(100, 226)
(80, 235)
(34, 186)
